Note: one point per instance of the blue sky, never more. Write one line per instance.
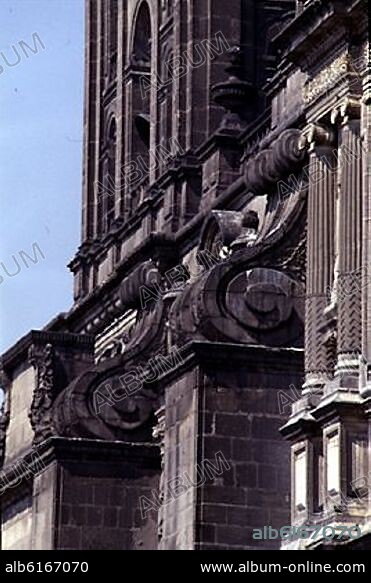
(41, 105)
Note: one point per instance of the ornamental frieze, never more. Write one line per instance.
(326, 79)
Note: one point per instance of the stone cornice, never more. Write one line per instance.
(219, 140)
(146, 455)
(19, 352)
(225, 353)
(160, 247)
(301, 426)
(312, 23)
(91, 250)
(335, 406)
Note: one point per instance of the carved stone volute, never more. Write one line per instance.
(285, 154)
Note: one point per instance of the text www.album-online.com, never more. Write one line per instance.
(307, 567)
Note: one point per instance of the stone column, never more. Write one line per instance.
(365, 384)
(349, 288)
(320, 251)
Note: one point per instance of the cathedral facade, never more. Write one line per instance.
(213, 375)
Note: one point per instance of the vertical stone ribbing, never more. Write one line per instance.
(350, 239)
(89, 120)
(180, 82)
(98, 110)
(321, 217)
(321, 208)
(121, 60)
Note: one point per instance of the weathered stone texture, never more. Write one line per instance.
(222, 276)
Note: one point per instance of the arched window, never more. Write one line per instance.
(107, 190)
(142, 36)
(140, 97)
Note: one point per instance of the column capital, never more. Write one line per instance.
(347, 110)
(315, 135)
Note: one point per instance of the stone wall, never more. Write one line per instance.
(99, 508)
(227, 417)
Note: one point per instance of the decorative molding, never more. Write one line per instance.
(19, 352)
(327, 78)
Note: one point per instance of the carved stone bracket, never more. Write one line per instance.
(116, 398)
(107, 402)
(315, 135)
(236, 304)
(346, 111)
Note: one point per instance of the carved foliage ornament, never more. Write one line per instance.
(328, 77)
(4, 421)
(40, 411)
(4, 412)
